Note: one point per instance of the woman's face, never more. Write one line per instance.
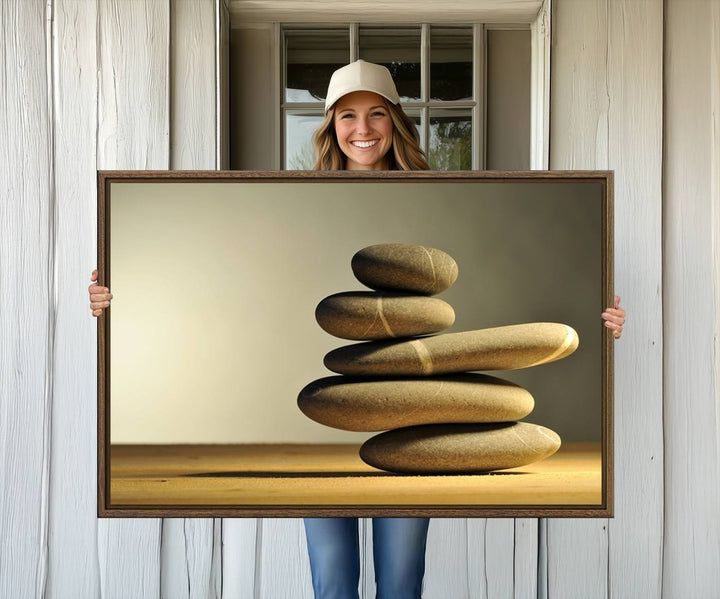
(364, 130)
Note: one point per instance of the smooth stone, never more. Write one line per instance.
(459, 448)
(501, 348)
(376, 405)
(404, 267)
(362, 315)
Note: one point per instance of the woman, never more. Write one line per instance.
(365, 129)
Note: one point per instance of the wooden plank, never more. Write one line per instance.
(187, 558)
(72, 543)
(690, 285)
(525, 573)
(27, 315)
(491, 549)
(579, 99)
(282, 566)
(577, 552)
(133, 131)
(189, 565)
(608, 89)
(133, 115)
(239, 552)
(499, 557)
(469, 558)
(446, 559)
(635, 91)
(129, 557)
(577, 558)
(192, 85)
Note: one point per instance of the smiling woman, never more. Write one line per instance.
(365, 128)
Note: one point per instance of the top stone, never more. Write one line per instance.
(404, 267)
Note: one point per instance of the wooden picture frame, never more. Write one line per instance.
(194, 345)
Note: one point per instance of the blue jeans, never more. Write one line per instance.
(398, 553)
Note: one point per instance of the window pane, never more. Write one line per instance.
(311, 57)
(451, 57)
(299, 149)
(450, 140)
(414, 115)
(399, 50)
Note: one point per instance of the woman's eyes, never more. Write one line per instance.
(350, 115)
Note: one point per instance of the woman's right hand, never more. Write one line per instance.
(99, 296)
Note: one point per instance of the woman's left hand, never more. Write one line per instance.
(615, 318)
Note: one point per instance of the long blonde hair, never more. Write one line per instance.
(405, 153)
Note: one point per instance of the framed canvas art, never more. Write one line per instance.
(355, 344)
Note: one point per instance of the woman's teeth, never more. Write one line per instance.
(364, 144)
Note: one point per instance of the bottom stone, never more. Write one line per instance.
(459, 448)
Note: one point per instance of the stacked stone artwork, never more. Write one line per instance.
(439, 417)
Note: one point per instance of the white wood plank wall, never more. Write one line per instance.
(190, 552)
(118, 84)
(27, 302)
(73, 540)
(133, 133)
(577, 550)
(606, 112)
(691, 299)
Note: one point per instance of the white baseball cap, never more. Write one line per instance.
(361, 76)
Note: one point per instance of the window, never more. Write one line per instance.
(434, 68)
(466, 86)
